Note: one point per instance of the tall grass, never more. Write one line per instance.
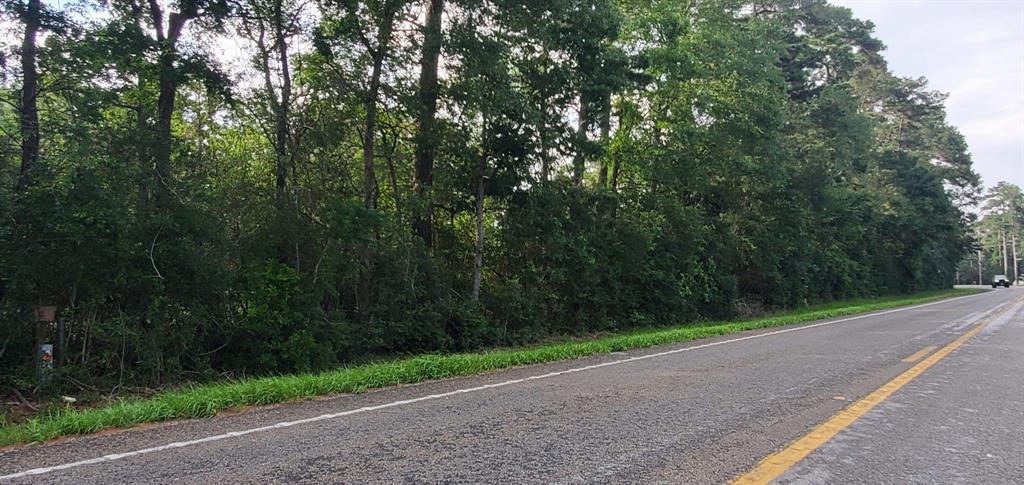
(206, 400)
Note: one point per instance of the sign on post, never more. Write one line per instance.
(45, 364)
(46, 314)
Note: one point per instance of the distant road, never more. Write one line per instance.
(935, 395)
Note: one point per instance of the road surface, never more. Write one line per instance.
(936, 392)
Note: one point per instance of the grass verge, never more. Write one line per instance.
(208, 399)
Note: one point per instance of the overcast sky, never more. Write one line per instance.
(973, 50)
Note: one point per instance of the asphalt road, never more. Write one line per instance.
(701, 412)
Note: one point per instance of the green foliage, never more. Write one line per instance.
(627, 163)
(998, 238)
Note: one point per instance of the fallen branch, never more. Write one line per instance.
(21, 398)
(80, 385)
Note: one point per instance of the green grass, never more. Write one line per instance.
(208, 399)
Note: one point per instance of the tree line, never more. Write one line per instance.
(226, 187)
(998, 238)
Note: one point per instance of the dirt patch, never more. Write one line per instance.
(17, 408)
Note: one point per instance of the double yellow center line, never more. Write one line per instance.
(920, 353)
(776, 464)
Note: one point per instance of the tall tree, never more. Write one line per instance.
(593, 29)
(1002, 223)
(272, 25)
(426, 120)
(363, 34)
(29, 93)
(169, 24)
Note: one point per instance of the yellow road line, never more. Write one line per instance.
(777, 463)
(921, 353)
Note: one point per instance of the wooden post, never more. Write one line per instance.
(58, 353)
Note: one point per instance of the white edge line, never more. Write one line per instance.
(325, 417)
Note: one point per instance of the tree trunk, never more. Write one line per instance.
(478, 255)
(141, 150)
(606, 128)
(1006, 262)
(370, 190)
(1016, 266)
(142, 145)
(268, 30)
(393, 178)
(544, 105)
(283, 111)
(168, 82)
(426, 136)
(579, 162)
(29, 96)
(370, 136)
(165, 112)
(616, 167)
(545, 162)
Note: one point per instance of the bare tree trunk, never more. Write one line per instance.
(426, 136)
(30, 138)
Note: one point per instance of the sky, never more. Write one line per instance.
(974, 51)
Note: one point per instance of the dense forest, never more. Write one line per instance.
(999, 238)
(217, 188)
